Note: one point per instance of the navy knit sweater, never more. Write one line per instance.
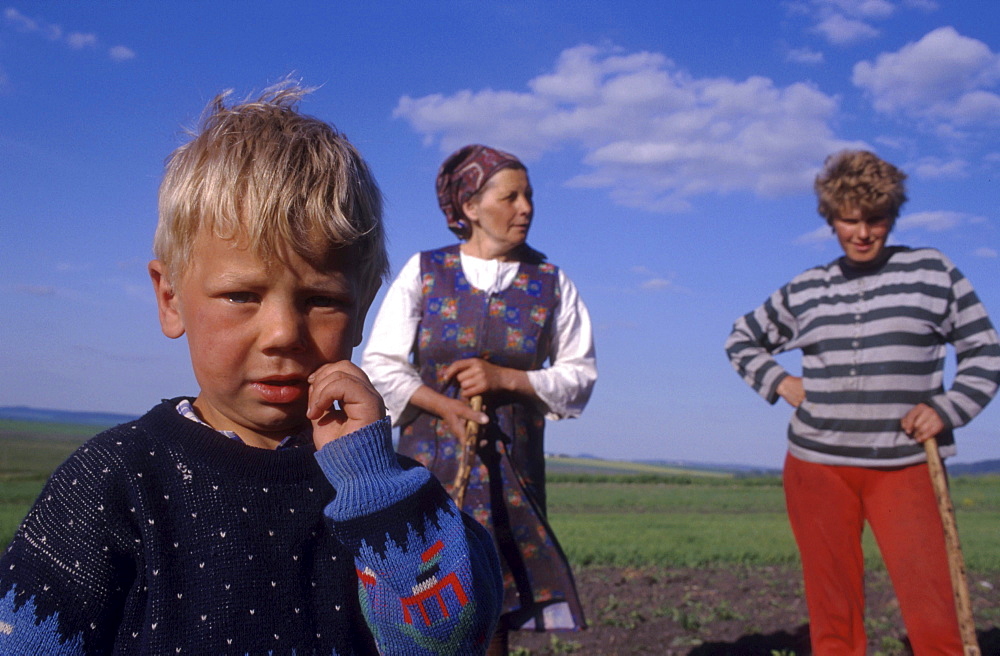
(162, 537)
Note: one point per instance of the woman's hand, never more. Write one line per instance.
(457, 414)
(791, 389)
(922, 422)
(347, 385)
(474, 376)
(477, 376)
(454, 412)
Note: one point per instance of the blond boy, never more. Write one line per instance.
(269, 514)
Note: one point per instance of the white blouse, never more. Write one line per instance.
(563, 387)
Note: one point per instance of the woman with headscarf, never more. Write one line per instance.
(481, 317)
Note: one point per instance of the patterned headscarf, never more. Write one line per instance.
(462, 175)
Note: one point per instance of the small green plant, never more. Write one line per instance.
(890, 646)
(613, 613)
(564, 646)
(608, 613)
(687, 620)
(725, 611)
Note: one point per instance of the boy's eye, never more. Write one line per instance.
(239, 297)
(326, 301)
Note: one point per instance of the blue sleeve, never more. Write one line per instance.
(428, 575)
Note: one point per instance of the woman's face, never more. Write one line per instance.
(500, 214)
(861, 234)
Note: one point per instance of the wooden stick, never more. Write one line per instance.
(468, 455)
(956, 564)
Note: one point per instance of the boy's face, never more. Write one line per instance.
(256, 332)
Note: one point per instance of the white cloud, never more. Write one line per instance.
(938, 221)
(654, 282)
(53, 32)
(934, 168)
(866, 8)
(78, 40)
(121, 53)
(653, 135)
(19, 20)
(26, 24)
(943, 77)
(985, 251)
(843, 22)
(804, 56)
(820, 235)
(840, 30)
(924, 5)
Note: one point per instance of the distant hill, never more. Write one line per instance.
(584, 463)
(686, 466)
(23, 413)
(740, 470)
(975, 468)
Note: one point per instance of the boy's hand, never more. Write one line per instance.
(347, 385)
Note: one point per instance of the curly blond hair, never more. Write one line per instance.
(859, 179)
(262, 173)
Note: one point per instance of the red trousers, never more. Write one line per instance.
(827, 508)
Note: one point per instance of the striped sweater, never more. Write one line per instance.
(873, 345)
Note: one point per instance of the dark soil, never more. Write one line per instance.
(720, 611)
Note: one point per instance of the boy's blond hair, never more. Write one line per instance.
(264, 174)
(859, 179)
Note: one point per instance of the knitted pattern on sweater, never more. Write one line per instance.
(873, 346)
(161, 537)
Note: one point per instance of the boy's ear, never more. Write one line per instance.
(171, 322)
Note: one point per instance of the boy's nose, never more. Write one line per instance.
(282, 328)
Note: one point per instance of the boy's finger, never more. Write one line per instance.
(345, 366)
(343, 387)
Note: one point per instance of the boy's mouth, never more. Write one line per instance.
(281, 389)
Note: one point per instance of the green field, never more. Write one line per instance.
(737, 521)
(605, 513)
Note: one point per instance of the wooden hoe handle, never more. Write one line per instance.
(468, 455)
(956, 564)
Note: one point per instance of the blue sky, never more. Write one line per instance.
(671, 146)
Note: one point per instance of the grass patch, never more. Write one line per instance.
(29, 451)
(740, 520)
(621, 516)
